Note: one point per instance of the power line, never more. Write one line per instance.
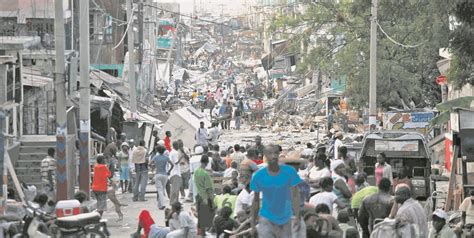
(208, 21)
(396, 42)
(122, 22)
(125, 32)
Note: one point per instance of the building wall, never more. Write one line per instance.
(39, 111)
(466, 90)
(33, 18)
(106, 32)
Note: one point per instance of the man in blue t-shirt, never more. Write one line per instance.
(280, 202)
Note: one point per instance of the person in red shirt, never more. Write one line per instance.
(167, 140)
(99, 183)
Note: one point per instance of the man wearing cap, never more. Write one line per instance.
(338, 143)
(441, 227)
(410, 211)
(276, 212)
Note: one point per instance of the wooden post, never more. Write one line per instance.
(452, 179)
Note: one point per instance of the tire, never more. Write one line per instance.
(99, 231)
(96, 234)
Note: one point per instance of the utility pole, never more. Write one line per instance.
(141, 75)
(192, 18)
(140, 33)
(3, 167)
(131, 61)
(373, 67)
(60, 89)
(84, 134)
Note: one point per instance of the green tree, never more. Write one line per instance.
(337, 43)
(462, 43)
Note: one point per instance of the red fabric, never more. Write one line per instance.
(168, 143)
(145, 221)
(228, 161)
(378, 174)
(101, 174)
(448, 153)
(258, 161)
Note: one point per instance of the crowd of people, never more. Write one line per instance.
(257, 190)
(225, 107)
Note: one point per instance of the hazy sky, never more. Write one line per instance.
(233, 7)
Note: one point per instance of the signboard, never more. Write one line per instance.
(164, 43)
(417, 121)
(384, 145)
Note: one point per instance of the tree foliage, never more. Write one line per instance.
(462, 43)
(337, 43)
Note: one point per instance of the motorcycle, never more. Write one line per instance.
(39, 224)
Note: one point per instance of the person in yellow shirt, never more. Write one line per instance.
(226, 199)
(194, 96)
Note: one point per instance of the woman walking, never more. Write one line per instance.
(99, 183)
(161, 175)
(123, 157)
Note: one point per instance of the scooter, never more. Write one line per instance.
(39, 224)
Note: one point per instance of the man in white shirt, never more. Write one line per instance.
(237, 156)
(326, 196)
(245, 197)
(175, 174)
(338, 143)
(201, 135)
(215, 112)
(225, 93)
(467, 209)
(214, 133)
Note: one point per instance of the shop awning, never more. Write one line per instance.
(446, 107)
(440, 119)
(462, 102)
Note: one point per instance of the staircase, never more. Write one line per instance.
(33, 149)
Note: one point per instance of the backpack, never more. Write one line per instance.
(389, 228)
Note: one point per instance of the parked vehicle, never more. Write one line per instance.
(38, 223)
(407, 152)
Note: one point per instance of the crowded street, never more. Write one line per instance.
(237, 118)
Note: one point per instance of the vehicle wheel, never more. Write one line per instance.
(96, 234)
